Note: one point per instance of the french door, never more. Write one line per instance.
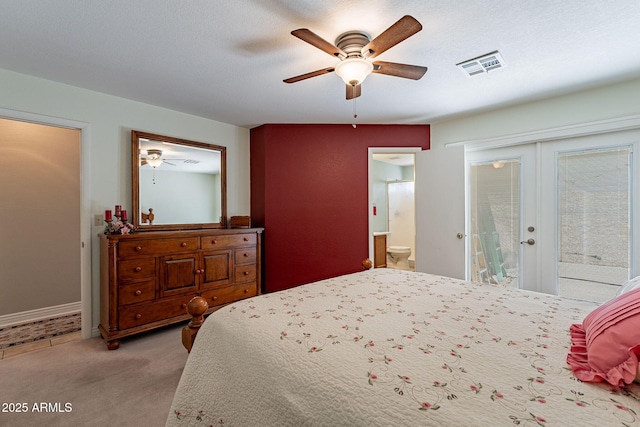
(555, 217)
(501, 204)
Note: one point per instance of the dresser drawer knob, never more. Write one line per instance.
(214, 298)
(138, 316)
(138, 292)
(138, 268)
(246, 291)
(214, 241)
(246, 255)
(183, 244)
(246, 273)
(246, 239)
(138, 248)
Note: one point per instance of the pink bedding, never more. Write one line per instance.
(606, 345)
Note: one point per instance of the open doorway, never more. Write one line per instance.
(44, 206)
(392, 208)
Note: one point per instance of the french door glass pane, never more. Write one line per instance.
(593, 223)
(494, 201)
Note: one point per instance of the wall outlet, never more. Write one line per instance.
(97, 219)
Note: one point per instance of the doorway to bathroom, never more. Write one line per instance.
(392, 207)
(401, 224)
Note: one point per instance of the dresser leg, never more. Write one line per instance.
(113, 345)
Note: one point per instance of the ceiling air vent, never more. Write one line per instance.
(482, 64)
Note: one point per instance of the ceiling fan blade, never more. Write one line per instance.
(309, 75)
(414, 72)
(404, 28)
(317, 41)
(353, 91)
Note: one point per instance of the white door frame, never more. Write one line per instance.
(549, 154)
(85, 203)
(526, 155)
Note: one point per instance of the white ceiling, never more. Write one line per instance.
(226, 59)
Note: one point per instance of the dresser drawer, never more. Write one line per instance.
(153, 247)
(230, 294)
(245, 255)
(228, 241)
(132, 269)
(137, 292)
(136, 315)
(245, 273)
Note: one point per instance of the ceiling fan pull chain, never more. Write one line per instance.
(355, 115)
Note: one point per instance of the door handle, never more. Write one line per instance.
(528, 242)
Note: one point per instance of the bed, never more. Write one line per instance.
(388, 347)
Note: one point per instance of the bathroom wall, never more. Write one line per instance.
(395, 210)
(402, 224)
(381, 171)
(408, 173)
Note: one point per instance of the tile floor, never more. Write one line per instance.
(38, 345)
(38, 334)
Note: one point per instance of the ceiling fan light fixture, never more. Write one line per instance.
(353, 71)
(153, 158)
(154, 163)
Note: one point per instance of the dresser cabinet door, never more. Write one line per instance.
(178, 274)
(216, 269)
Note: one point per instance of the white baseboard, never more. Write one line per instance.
(39, 314)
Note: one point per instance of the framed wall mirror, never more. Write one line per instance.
(177, 184)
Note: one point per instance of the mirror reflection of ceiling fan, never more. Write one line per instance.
(355, 49)
(154, 159)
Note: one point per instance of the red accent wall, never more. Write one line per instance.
(309, 191)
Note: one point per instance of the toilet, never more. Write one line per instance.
(398, 257)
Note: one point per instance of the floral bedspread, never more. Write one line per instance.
(393, 348)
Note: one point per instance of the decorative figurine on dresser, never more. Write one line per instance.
(150, 270)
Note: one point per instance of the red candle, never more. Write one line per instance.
(124, 214)
(118, 209)
(107, 215)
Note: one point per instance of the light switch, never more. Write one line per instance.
(97, 219)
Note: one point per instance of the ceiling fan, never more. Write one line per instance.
(154, 159)
(355, 48)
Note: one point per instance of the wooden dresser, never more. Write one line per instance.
(147, 278)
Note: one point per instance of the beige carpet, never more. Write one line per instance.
(88, 385)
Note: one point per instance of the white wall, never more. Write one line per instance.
(603, 103)
(197, 191)
(608, 108)
(109, 122)
(380, 172)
